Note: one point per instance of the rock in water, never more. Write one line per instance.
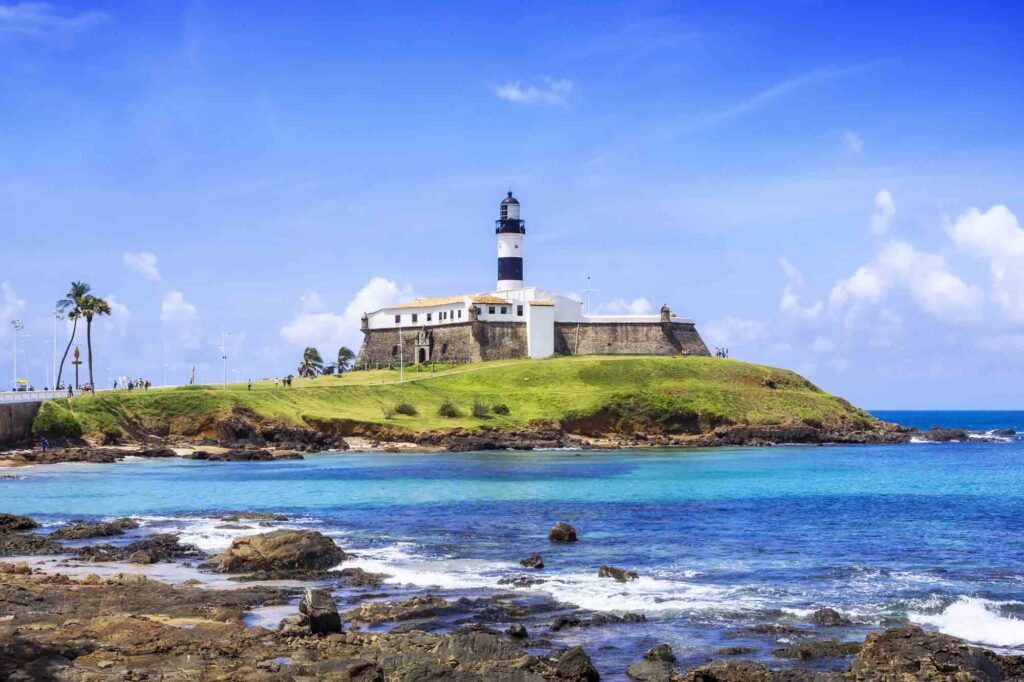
(562, 532)
(533, 561)
(829, 618)
(280, 550)
(620, 574)
(517, 631)
(908, 653)
(655, 666)
(11, 522)
(575, 666)
(320, 610)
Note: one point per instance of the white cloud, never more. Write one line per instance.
(997, 236)
(823, 344)
(116, 324)
(143, 263)
(790, 302)
(885, 209)
(924, 276)
(553, 91)
(10, 308)
(729, 330)
(620, 306)
(328, 331)
(37, 19)
(852, 142)
(181, 318)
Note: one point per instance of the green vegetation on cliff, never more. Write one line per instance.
(671, 394)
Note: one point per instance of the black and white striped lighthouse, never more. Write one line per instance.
(510, 230)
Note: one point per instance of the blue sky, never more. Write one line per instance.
(832, 189)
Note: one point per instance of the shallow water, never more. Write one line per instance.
(722, 539)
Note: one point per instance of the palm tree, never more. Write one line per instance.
(73, 300)
(312, 364)
(345, 358)
(91, 307)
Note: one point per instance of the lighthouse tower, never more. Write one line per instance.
(510, 230)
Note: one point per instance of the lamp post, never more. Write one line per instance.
(224, 354)
(18, 326)
(57, 317)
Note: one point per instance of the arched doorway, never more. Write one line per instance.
(422, 357)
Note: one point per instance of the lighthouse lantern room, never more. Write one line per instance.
(510, 230)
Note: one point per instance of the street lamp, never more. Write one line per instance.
(18, 326)
(224, 354)
(57, 317)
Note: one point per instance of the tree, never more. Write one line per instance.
(345, 358)
(92, 306)
(71, 304)
(312, 364)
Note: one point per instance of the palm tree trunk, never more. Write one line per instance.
(74, 328)
(88, 344)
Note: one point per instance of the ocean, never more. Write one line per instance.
(723, 539)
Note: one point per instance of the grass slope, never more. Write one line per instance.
(657, 389)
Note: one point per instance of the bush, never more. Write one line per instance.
(112, 434)
(406, 409)
(387, 411)
(55, 421)
(500, 408)
(448, 409)
(480, 408)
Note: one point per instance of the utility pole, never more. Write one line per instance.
(57, 317)
(18, 326)
(589, 291)
(224, 355)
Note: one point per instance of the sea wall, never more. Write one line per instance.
(16, 421)
(620, 338)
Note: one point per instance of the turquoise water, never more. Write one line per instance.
(722, 539)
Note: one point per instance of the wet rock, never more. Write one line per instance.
(562, 532)
(1004, 432)
(518, 631)
(730, 671)
(243, 455)
(657, 665)
(18, 544)
(619, 574)
(280, 550)
(82, 530)
(768, 629)
(320, 611)
(736, 651)
(611, 618)
(234, 517)
(938, 435)
(156, 549)
(416, 608)
(10, 523)
(357, 577)
(521, 581)
(533, 561)
(159, 452)
(815, 649)
(575, 666)
(827, 617)
(562, 622)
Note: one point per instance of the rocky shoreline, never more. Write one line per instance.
(58, 625)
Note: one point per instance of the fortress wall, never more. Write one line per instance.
(16, 421)
(452, 343)
(620, 338)
(502, 340)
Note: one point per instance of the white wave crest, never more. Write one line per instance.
(975, 620)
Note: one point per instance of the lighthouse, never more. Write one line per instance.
(510, 230)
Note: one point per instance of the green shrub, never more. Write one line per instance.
(56, 421)
(448, 409)
(500, 408)
(480, 408)
(112, 434)
(406, 409)
(387, 411)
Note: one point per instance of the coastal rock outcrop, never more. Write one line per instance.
(619, 574)
(10, 523)
(819, 648)
(575, 666)
(280, 551)
(243, 455)
(828, 617)
(82, 530)
(533, 561)
(320, 611)
(657, 665)
(155, 549)
(562, 533)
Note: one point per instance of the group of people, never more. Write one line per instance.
(132, 384)
(721, 352)
(286, 381)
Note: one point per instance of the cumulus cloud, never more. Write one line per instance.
(885, 209)
(144, 263)
(10, 308)
(181, 318)
(39, 19)
(996, 235)
(620, 306)
(552, 91)
(924, 276)
(116, 324)
(727, 331)
(314, 326)
(790, 302)
(852, 142)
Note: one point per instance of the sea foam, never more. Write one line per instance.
(975, 620)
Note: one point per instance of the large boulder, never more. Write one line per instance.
(320, 611)
(619, 574)
(827, 617)
(575, 666)
(730, 671)
(11, 522)
(81, 530)
(655, 666)
(280, 550)
(562, 532)
(533, 561)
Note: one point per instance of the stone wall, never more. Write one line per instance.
(476, 341)
(16, 422)
(619, 338)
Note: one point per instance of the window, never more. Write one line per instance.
(444, 348)
(428, 317)
(414, 318)
(398, 319)
(394, 351)
(490, 309)
(519, 310)
(460, 314)
(504, 310)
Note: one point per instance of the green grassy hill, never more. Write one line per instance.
(661, 393)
